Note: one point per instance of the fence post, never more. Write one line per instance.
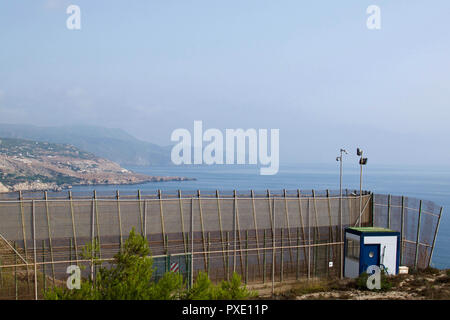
(389, 212)
(92, 240)
(187, 264)
(234, 233)
(161, 213)
(221, 233)
(167, 262)
(182, 221)
(34, 251)
(23, 225)
(192, 243)
(15, 273)
(43, 265)
(256, 229)
(416, 257)
(301, 224)
(402, 228)
(435, 235)
(140, 212)
(287, 224)
(70, 249)
(350, 209)
(281, 256)
(273, 248)
(341, 230)
(145, 219)
(238, 230)
(330, 231)
(166, 240)
(97, 226)
(49, 236)
(208, 250)
(270, 208)
(74, 230)
(264, 257)
(373, 208)
(298, 254)
(24, 237)
(120, 219)
(246, 256)
(202, 229)
(316, 232)
(227, 267)
(309, 242)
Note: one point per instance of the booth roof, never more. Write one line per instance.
(371, 229)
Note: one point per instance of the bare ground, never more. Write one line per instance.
(419, 285)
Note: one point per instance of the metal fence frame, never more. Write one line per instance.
(305, 248)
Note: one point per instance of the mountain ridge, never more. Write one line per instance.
(110, 143)
(34, 165)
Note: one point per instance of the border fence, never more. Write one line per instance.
(269, 236)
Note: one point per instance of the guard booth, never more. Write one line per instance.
(366, 246)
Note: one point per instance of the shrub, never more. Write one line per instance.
(312, 287)
(386, 282)
(130, 278)
(204, 289)
(233, 289)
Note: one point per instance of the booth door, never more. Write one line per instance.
(370, 256)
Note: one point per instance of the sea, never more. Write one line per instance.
(426, 183)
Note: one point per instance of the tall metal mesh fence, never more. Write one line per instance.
(263, 236)
(416, 220)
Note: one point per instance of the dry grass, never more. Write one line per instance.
(428, 284)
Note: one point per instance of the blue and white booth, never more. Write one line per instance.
(366, 246)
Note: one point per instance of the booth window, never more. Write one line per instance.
(352, 249)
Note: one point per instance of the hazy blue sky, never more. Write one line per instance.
(310, 68)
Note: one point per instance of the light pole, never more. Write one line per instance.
(339, 158)
(362, 162)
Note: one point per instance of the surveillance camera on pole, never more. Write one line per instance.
(359, 152)
(362, 162)
(339, 158)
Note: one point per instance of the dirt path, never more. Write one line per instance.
(426, 284)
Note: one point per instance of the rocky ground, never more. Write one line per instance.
(427, 284)
(31, 165)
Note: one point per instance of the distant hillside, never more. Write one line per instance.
(33, 165)
(113, 144)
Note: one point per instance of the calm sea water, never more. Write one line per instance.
(427, 183)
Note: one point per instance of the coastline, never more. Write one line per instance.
(40, 186)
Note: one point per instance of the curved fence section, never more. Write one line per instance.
(416, 220)
(263, 236)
